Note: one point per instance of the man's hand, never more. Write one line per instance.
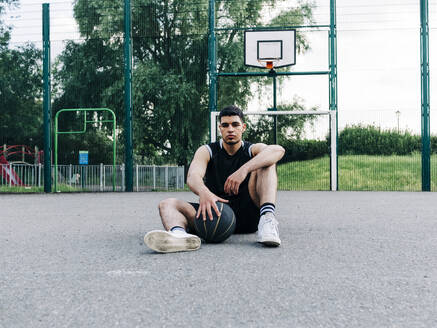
(207, 200)
(233, 182)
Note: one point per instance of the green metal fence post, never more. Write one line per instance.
(333, 89)
(56, 152)
(47, 100)
(212, 64)
(128, 93)
(424, 64)
(275, 118)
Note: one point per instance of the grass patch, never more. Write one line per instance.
(305, 175)
(382, 173)
(358, 172)
(21, 190)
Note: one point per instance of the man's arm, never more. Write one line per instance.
(196, 172)
(263, 156)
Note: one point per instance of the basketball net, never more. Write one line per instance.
(269, 64)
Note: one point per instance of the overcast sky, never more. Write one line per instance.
(378, 58)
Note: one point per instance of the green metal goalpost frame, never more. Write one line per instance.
(85, 122)
(332, 72)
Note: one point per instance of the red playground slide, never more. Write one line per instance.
(8, 173)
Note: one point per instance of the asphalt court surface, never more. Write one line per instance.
(347, 259)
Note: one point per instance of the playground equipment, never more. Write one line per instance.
(8, 173)
(16, 154)
(12, 154)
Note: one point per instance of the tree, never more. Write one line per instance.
(5, 30)
(21, 92)
(170, 67)
(20, 89)
(81, 79)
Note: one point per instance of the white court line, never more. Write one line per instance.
(119, 273)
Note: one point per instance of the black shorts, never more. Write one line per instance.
(246, 213)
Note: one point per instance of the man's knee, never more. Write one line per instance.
(271, 169)
(167, 203)
(262, 172)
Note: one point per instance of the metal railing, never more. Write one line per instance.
(92, 177)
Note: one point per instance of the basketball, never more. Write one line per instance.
(220, 228)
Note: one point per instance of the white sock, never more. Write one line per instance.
(178, 229)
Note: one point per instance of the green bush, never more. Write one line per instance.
(358, 140)
(370, 140)
(302, 150)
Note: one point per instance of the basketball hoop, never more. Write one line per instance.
(269, 64)
(270, 48)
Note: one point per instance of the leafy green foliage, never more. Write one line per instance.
(167, 102)
(95, 141)
(5, 30)
(303, 150)
(4, 3)
(371, 140)
(170, 91)
(20, 89)
(83, 72)
(21, 92)
(357, 140)
(169, 84)
(82, 75)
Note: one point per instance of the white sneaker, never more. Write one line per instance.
(167, 241)
(268, 233)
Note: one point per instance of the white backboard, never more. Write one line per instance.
(278, 46)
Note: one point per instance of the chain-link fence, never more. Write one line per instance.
(75, 178)
(379, 90)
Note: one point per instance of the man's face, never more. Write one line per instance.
(232, 128)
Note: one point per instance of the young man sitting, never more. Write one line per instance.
(232, 171)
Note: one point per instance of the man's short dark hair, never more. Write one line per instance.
(231, 110)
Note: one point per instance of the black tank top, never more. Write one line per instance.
(221, 165)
